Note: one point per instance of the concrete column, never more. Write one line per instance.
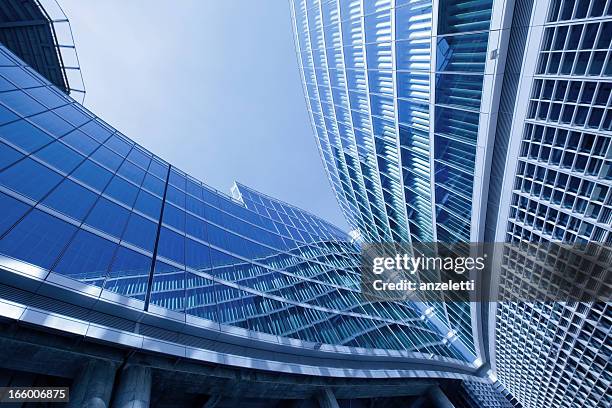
(134, 388)
(439, 399)
(93, 386)
(327, 399)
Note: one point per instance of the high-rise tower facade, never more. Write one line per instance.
(477, 121)
(401, 95)
(558, 188)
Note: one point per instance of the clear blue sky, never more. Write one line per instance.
(211, 86)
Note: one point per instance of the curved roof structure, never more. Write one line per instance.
(39, 32)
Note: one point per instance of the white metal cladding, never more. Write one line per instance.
(558, 188)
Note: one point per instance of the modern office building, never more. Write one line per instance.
(559, 188)
(477, 121)
(136, 284)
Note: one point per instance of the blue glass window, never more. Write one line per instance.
(19, 77)
(87, 258)
(140, 232)
(456, 123)
(200, 297)
(37, 239)
(193, 188)
(96, 130)
(129, 274)
(108, 217)
(175, 196)
(195, 206)
(171, 245)
(107, 158)
(174, 217)
(211, 197)
(465, 53)
(71, 199)
(413, 55)
(139, 157)
(464, 91)
(24, 135)
(5, 60)
(80, 142)
(218, 258)
(197, 255)
(21, 103)
(30, 178)
(52, 124)
(6, 115)
(148, 204)
(119, 145)
(132, 172)
(168, 288)
(47, 97)
(177, 179)
(153, 184)
(122, 190)
(196, 227)
(73, 114)
(92, 175)
(11, 210)
(60, 156)
(461, 16)
(8, 155)
(158, 168)
(6, 85)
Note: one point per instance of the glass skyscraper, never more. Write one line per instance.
(104, 240)
(476, 121)
(451, 121)
(395, 92)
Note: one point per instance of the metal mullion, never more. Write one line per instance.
(369, 115)
(326, 131)
(328, 166)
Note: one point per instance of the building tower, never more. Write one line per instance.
(476, 121)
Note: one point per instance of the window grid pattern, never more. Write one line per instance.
(461, 54)
(352, 60)
(79, 199)
(472, 394)
(366, 68)
(562, 193)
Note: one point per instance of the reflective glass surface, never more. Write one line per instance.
(80, 199)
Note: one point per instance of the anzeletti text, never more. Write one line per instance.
(409, 286)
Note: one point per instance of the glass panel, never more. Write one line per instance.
(37, 239)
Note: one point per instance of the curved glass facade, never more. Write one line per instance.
(81, 200)
(394, 92)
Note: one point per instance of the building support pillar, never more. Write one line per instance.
(93, 385)
(439, 399)
(327, 399)
(134, 388)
